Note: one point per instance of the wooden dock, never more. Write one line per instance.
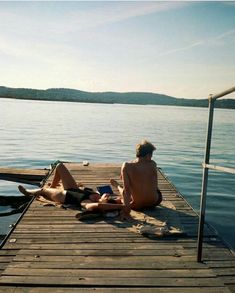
(27, 176)
(51, 251)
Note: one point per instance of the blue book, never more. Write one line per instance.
(104, 189)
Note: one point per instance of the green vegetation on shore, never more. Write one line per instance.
(139, 98)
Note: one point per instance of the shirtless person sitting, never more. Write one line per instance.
(140, 181)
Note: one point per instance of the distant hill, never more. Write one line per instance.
(139, 98)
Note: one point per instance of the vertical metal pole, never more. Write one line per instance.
(204, 180)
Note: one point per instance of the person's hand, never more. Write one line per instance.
(80, 184)
(105, 197)
(47, 185)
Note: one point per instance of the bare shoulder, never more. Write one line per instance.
(130, 163)
(125, 165)
(128, 166)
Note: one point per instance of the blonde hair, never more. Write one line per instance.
(144, 148)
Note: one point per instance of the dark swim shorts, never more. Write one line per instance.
(75, 196)
(159, 197)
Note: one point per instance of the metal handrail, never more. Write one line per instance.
(207, 166)
(219, 168)
(224, 93)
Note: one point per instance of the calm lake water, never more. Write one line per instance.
(34, 134)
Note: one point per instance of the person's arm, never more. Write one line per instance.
(155, 173)
(101, 207)
(126, 189)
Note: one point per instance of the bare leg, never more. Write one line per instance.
(29, 192)
(63, 174)
(114, 183)
(53, 194)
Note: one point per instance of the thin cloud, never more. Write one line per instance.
(231, 32)
(77, 17)
(199, 43)
(39, 52)
(181, 49)
(34, 17)
(81, 17)
(111, 12)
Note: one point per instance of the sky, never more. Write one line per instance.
(183, 49)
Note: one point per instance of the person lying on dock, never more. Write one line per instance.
(64, 190)
(139, 189)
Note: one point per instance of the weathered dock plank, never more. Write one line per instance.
(112, 281)
(51, 251)
(28, 176)
(115, 290)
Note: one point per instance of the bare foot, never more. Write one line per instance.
(114, 183)
(24, 191)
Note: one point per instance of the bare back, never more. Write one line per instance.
(140, 177)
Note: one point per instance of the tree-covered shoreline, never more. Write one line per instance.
(138, 98)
